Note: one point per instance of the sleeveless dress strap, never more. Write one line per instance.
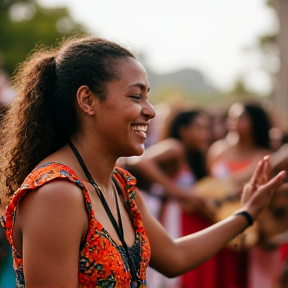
(38, 177)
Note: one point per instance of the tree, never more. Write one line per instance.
(25, 24)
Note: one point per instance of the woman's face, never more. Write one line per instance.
(197, 134)
(123, 118)
(238, 120)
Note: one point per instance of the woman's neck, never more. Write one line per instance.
(98, 162)
(240, 141)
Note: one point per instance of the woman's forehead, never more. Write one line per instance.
(133, 74)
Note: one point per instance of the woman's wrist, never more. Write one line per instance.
(247, 216)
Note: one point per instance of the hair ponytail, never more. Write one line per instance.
(35, 87)
(42, 117)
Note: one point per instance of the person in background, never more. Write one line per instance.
(219, 127)
(236, 156)
(74, 219)
(177, 163)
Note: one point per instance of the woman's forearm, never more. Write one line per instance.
(194, 249)
(154, 174)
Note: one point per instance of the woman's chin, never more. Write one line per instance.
(137, 151)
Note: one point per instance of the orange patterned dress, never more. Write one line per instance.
(102, 262)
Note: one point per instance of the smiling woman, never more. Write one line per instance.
(75, 217)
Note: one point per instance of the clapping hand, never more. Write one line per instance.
(258, 192)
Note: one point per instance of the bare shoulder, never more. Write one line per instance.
(56, 192)
(56, 203)
(51, 223)
(216, 150)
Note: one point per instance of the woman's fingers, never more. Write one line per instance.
(262, 173)
(266, 172)
(256, 199)
(275, 181)
(257, 173)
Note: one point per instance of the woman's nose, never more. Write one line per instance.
(148, 110)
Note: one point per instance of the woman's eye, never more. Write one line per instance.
(137, 97)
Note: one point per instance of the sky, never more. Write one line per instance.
(217, 37)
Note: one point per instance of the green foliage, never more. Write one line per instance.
(24, 24)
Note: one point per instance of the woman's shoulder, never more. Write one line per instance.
(53, 175)
(216, 150)
(57, 198)
(47, 172)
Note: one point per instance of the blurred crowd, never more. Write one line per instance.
(191, 174)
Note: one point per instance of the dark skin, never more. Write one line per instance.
(52, 221)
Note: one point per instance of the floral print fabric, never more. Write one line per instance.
(102, 262)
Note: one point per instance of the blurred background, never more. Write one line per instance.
(211, 53)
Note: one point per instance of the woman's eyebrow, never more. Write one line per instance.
(141, 86)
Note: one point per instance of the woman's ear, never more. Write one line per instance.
(86, 99)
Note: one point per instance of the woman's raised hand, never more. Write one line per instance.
(258, 192)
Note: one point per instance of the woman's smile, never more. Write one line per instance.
(141, 130)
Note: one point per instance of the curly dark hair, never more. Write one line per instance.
(42, 117)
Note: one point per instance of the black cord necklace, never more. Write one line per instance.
(118, 228)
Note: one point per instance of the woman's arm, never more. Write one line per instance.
(50, 225)
(173, 258)
(150, 165)
(161, 153)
